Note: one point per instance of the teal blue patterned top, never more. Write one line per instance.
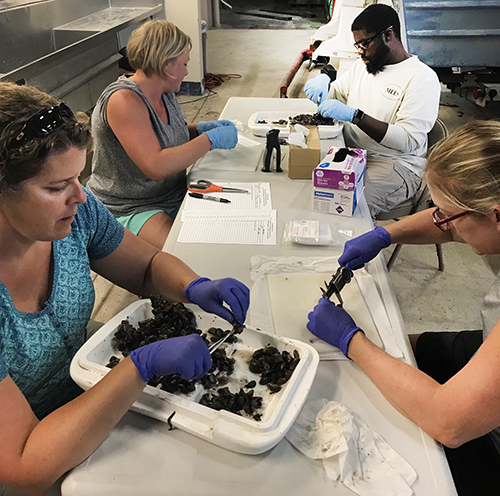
(36, 348)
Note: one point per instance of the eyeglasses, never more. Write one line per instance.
(442, 222)
(363, 44)
(43, 123)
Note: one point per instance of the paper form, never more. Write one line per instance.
(257, 198)
(243, 227)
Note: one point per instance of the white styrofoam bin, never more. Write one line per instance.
(324, 131)
(223, 428)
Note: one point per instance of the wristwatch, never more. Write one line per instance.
(358, 115)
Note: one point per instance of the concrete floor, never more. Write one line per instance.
(271, 14)
(429, 299)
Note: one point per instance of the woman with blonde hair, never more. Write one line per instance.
(143, 145)
(52, 233)
(455, 396)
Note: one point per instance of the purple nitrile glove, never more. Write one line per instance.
(332, 324)
(205, 126)
(317, 88)
(336, 110)
(210, 295)
(224, 137)
(186, 356)
(364, 248)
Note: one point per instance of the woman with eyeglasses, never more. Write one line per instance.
(455, 396)
(52, 233)
(143, 145)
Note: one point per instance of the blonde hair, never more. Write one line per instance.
(154, 44)
(465, 167)
(21, 161)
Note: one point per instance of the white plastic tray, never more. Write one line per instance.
(223, 428)
(325, 132)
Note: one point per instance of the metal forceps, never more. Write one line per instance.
(237, 329)
(204, 186)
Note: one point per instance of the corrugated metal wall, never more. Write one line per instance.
(459, 33)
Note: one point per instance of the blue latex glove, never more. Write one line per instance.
(186, 356)
(336, 110)
(332, 324)
(205, 126)
(364, 248)
(210, 295)
(317, 88)
(224, 137)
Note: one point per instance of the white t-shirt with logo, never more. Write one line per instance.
(405, 95)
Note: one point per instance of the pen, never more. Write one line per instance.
(205, 197)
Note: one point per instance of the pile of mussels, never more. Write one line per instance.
(174, 319)
(311, 120)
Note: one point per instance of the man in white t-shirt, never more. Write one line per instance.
(388, 101)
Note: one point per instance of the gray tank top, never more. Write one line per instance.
(116, 180)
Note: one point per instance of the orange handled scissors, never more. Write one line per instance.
(204, 186)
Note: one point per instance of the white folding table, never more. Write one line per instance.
(141, 456)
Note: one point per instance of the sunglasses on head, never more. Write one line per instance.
(43, 123)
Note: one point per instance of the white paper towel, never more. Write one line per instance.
(351, 452)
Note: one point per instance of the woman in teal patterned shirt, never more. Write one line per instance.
(52, 233)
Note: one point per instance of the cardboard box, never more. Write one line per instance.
(302, 161)
(336, 201)
(339, 170)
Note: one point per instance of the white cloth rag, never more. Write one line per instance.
(350, 450)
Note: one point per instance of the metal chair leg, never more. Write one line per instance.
(393, 256)
(439, 251)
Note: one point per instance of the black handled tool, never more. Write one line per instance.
(342, 277)
(272, 143)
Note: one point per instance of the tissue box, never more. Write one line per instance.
(338, 181)
(336, 201)
(339, 170)
(302, 161)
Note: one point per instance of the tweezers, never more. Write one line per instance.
(237, 329)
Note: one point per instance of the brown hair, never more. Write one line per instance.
(465, 167)
(19, 162)
(154, 44)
